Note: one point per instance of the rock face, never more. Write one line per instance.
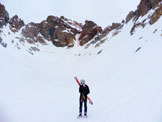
(16, 23)
(61, 31)
(146, 5)
(31, 30)
(90, 30)
(31, 33)
(156, 15)
(4, 16)
(130, 16)
(58, 30)
(142, 9)
(108, 29)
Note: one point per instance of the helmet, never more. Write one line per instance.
(82, 81)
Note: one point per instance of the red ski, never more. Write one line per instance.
(90, 101)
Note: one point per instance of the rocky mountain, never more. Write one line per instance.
(63, 32)
(60, 31)
(136, 17)
(121, 64)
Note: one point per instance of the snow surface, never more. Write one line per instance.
(125, 85)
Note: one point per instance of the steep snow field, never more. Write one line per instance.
(125, 85)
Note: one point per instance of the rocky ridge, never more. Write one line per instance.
(142, 9)
(63, 32)
(60, 31)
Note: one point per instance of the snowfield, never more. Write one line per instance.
(124, 79)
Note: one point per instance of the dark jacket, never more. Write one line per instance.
(84, 90)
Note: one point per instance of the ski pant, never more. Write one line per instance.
(81, 104)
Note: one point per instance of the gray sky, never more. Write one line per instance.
(102, 12)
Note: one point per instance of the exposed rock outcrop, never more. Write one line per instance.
(130, 16)
(58, 30)
(142, 9)
(146, 5)
(156, 15)
(4, 16)
(16, 23)
(32, 34)
(108, 29)
(90, 30)
(62, 31)
(31, 30)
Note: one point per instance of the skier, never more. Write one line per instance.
(84, 91)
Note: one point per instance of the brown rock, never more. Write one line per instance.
(115, 26)
(46, 29)
(51, 19)
(58, 30)
(55, 21)
(156, 15)
(130, 16)
(146, 5)
(16, 23)
(4, 16)
(31, 30)
(63, 37)
(41, 40)
(89, 24)
(88, 34)
(90, 30)
(108, 29)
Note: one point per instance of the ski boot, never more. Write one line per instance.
(85, 115)
(80, 115)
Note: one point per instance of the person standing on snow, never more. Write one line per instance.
(84, 91)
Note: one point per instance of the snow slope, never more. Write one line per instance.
(124, 79)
